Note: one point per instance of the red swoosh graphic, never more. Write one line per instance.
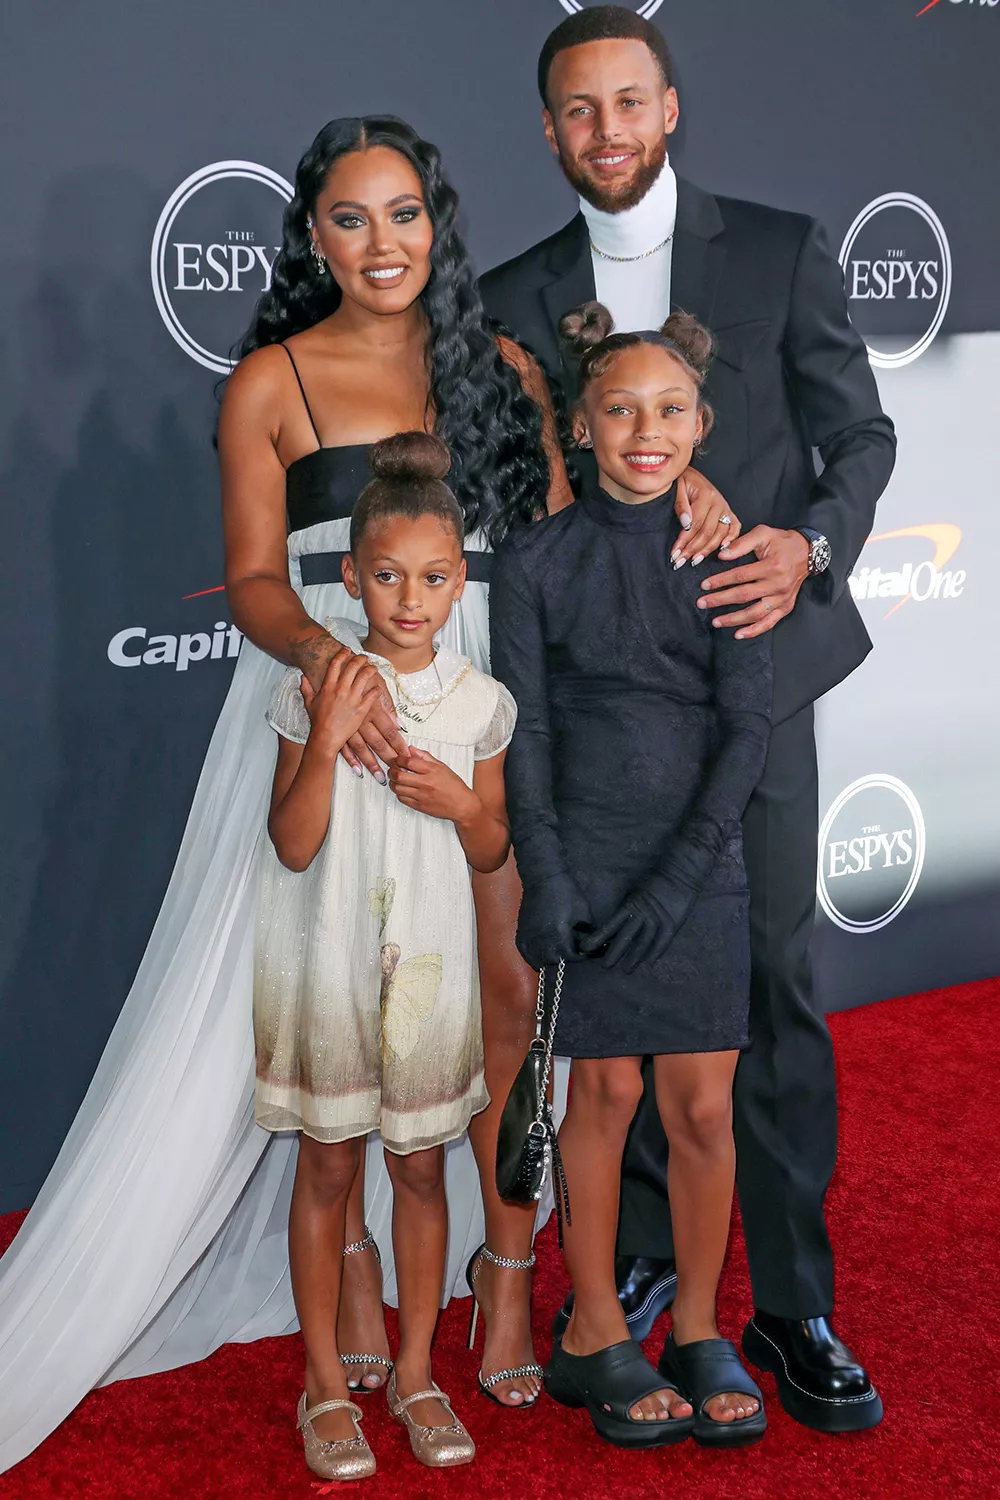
(925, 9)
(202, 592)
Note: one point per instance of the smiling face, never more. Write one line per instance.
(406, 572)
(643, 418)
(608, 118)
(372, 225)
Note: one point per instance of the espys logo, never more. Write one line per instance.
(921, 581)
(979, 4)
(212, 253)
(647, 8)
(871, 853)
(896, 262)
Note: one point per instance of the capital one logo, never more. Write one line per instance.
(871, 853)
(896, 262)
(647, 8)
(917, 579)
(212, 254)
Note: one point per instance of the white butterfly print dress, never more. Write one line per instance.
(366, 993)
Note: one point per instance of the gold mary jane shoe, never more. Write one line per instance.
(437, 1447)
(344, 1458)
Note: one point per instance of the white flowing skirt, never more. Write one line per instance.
(161, 1230)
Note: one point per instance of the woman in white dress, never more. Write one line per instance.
(160, 1232)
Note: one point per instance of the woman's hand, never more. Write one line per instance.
(345, 700)
(701, 504)
(429, 786)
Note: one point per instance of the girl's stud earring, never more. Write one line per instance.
(585, 442)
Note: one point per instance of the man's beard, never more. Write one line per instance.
(615, 199)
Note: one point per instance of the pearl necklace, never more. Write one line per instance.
(643, 256)
(432, 705)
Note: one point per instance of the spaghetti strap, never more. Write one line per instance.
(305, 398)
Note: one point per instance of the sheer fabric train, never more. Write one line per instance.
(160, 1232)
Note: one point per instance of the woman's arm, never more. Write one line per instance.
(536, 386)
(261, 599)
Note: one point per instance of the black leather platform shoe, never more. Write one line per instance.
(645, 1288)
(820, 1382)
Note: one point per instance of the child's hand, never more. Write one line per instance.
(431, 787)
(350, 690)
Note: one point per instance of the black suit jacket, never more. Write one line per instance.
(790, 375)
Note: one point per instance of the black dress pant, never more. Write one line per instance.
(784, 1096)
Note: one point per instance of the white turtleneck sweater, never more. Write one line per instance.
(635, 291)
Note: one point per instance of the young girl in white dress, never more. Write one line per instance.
(366, 994)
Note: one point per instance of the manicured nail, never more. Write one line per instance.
(696, 560)
(686, 521)
(674, 555)
(679, 563)
(358, 770)
(724, 546)
(381, 778)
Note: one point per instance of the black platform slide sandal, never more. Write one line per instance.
(707, 1368)
(608, 1384)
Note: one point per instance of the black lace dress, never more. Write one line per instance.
(641, 733)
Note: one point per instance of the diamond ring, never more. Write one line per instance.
(725, 520)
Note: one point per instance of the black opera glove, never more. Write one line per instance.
(550, 910)
(644, 926)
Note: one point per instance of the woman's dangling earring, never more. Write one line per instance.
(316, 252)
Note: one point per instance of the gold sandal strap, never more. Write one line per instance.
(432, 1395)
(325, 1406)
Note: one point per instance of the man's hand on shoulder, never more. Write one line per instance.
(767, 586)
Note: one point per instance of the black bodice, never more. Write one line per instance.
(324, 485)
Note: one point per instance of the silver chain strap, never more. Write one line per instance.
(550, 1039)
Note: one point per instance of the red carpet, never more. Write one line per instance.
(914, 1212)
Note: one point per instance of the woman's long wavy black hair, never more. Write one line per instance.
(493, 429)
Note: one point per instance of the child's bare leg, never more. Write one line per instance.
(419, 1237)
(694, 1094)
(361, 1323)
(323, 1180)
(603, 1098)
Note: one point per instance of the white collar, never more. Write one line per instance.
(636, 231)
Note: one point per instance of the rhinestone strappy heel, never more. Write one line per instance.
(487, 1382)
(368, 1243)
(342, 1458)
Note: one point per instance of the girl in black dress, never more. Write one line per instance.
(642, 731)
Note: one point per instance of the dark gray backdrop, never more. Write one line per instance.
(109, 482)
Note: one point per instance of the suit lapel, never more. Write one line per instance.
(698, 258)
(572, 277)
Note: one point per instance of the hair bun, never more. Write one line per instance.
(585, 327)
(694, 341)
(410, 456)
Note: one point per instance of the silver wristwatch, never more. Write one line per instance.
(820, 551)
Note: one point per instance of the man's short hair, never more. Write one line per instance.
(603, 23)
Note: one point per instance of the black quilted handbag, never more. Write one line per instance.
(526, 1141)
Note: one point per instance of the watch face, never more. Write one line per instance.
(820, 554)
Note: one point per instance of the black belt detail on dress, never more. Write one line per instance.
(324, 567)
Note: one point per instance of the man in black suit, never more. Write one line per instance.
(790, 375)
